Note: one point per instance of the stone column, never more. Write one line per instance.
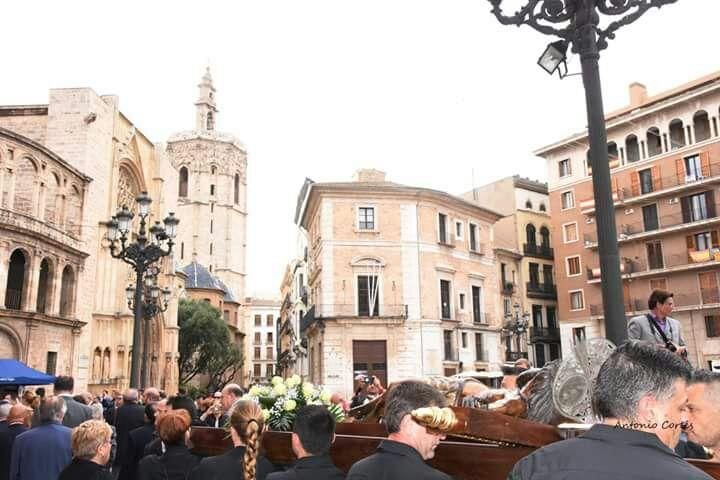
(34, 282)
(4, 269)
(57, 289)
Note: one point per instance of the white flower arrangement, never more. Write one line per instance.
(283, 398)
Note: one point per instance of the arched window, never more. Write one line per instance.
(25, 176)
(15, 281)
(701, 125)
(613, 155)
(528, 204)
(237, 189)
(632, 149)
(530, 234)
(210, 121)
(677, 134)
(183, 182)
(52, 199)
(73, 217)
(542, 207)
(211, 249)
(545, 237)
(43, 295)
(213, 170)
(654, 141)
(67, 292)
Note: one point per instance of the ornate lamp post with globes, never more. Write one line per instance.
(151, 307)
(577, 23)
(140, 254)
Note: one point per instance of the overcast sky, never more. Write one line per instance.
(429, 91)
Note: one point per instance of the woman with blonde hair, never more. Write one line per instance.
(244, 460)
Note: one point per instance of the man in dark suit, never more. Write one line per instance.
(138, 438)
(43, 452)
(313, 434)
(129, 417)
(76, 412)
(16, 424)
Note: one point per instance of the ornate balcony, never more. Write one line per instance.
(547, 291)
(538, 251)
(513, 356)
(544, 334)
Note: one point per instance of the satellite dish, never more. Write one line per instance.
(572, 385)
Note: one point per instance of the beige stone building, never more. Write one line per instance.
(403, 282)
(665, 165)
(262, 325)
(211, 192)
(65, 168)
(523, 246)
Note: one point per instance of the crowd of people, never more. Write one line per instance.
(654, 411)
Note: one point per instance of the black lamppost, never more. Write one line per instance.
(516, 324)
(151, 307)
(577, 23)
(140, 254)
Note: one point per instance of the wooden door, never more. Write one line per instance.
(370, 358)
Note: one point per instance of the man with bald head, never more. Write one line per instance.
(129, 417)
(231, 393)
(704, 410)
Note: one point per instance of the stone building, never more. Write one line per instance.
(66, 168)
(664, 154)
(211, 192)
(403, 282)
(262, 325)
(523, 239)
(292, 348)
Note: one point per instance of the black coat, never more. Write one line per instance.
(230, 465)
(7, 438)
(129, 417)
(138, 438)
(394, 460)
(310, 468)
(84, 470)
(175, 464)
(605, 452)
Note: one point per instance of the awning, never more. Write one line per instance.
(14, 372)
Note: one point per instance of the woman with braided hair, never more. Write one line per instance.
(244, 460)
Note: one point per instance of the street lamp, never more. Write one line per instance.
(577, 23)
(516, 325)
(151, 306)
(141, 254)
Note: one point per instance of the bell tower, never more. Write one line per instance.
(206, 110)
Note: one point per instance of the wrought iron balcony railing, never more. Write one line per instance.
(538, 251)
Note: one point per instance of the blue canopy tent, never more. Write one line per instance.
(14, 372)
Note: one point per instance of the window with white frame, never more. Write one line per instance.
(366, 218)
(570, 232)
(445, 310)
(458, 229)
(573, 266)
(368, 296)
(567, 199)
(577, 300)
(564, 168)
(473, 237)
(507, 306)
(442, 228)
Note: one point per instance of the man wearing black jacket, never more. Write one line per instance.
(138, 438)
(129, 417)
(640, 395)
(313, 434)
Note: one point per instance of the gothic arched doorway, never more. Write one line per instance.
(15, 281)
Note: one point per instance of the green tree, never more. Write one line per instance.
(204, 344)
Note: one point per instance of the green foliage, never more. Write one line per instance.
(204, 343)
